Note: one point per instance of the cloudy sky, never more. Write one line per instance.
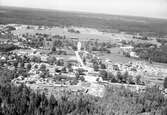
(147, 8)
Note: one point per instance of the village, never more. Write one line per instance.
(50, 59)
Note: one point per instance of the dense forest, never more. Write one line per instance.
(151, 52)
(108, 23)
(21, 100)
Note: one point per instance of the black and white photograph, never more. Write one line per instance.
(83, 57)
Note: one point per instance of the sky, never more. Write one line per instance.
(146, 8)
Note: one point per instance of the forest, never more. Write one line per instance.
(21, 100)
(151, 52)
(107, 23)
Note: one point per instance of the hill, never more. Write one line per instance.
(109, 23)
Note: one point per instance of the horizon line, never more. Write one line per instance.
(86, 12)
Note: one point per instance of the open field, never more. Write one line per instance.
(114, 56)
(109, 23)
(62, 32)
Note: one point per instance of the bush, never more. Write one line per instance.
(60, 62)
(130, 80)
(51, 60)
(138, 80)
(104, 75)
(53, 49)
(103, 66)
(36, 59)
(119, 77)
(42, 67)
(96, 67)
(111, 77)
(82, 78)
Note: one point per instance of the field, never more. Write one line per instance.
(109, 23)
